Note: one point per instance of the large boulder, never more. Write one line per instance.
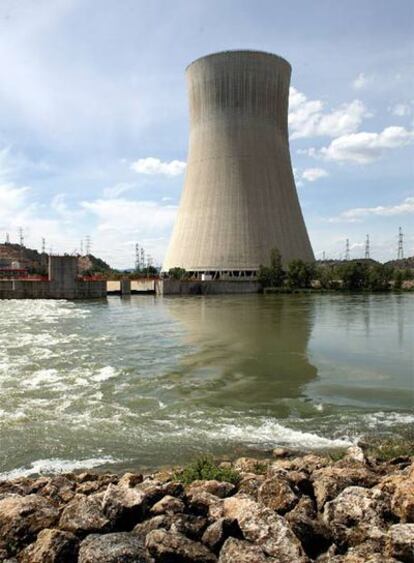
(51, 546)
(313, 534)
(21, 518)
(329, 481)
(168, 504)
(355, 516)
(124, 506)
(143, 528)
(220, 489)
(400, 488)
(121, 547)
(263, 526)
(241, 551)
(171, 546)
(277, 494)
(217, 533)
(401, 542)
(84, 515)
(190, 525)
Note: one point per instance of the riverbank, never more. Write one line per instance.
(283, 508)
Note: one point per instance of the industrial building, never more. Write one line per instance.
(239, 199)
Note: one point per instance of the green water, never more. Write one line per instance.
(144, 381)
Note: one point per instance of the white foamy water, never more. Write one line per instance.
(144, 381)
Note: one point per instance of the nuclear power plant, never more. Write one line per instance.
(239, 199)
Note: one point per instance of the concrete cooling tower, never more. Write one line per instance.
(239, 199)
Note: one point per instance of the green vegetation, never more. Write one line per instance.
(385, 450)
(204, 468)
(273, 275)
(177, 273)
(357, 275)
(300, 274)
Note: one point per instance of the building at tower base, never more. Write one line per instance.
(239, 199)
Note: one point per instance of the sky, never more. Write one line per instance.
(94, 117)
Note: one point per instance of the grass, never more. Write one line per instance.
(204, 468)
(385, 450)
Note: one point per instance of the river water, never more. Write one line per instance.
(139, 382)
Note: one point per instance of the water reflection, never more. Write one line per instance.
(249, 351)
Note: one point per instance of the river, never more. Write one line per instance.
(144, 381)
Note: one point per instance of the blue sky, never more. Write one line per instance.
(94, 123)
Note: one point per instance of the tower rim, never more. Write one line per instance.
(239, 51)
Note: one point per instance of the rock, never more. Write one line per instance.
(220, 489)
(84, 515)
(401, 542)
(240, 551)
(276, 493)
(172, 546)
(355, 453)
(124, 506)
(355, 515)
(262, 525)
(59, 488)
(189, 525)
(201, 502)
(400, 488)
(313, 534)
(130, 480)
(251, 465)
(250, 484)
(51, 546)
(143, 528)
(168, 504)
(121, 547)
(217, 533)
(328, 482)
(280, 452)
(21, 518)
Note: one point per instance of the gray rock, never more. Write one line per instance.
(51, 546)
(84, 515)
(189, 525)
(241, 551)
(263, 526)
(142, 529)
(313, 534)
(218, 532)
(277, 494)
(401, 542)
(168, 504)
(21, 518)
(121, 547)
(124, 506)
(174, 547)
(220, 489)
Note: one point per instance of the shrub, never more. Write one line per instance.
(204, 468)
(378, 278)
(177, 273)
(300, 274)
(273, 275)
(354, 275)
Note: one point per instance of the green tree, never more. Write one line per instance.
(300, 274)
(273, 275)
(398, 279)
(326, 276)
(177, 273)
(378, 277)
(354, 275)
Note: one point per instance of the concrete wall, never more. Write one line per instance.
(25, 289)
(182, 287)
(239, 198)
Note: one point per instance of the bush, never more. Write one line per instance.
(300, 274)
(398, 279)
(354, 275)
(326, 277)
(273, 275)
(378, 278)
(177, 273)
(204, 468)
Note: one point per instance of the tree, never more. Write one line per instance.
(378, 278)
(398, 279)
(300, 274)
(326, 277)
(273, 275)
(354, 275)
(177, 273)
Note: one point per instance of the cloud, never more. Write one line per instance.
(364, 148)
(401, 110)
(361, 81)
(357, 214)
(307, 119)
(313, 174)
(153, 166)
(117, 189)
(12, 199)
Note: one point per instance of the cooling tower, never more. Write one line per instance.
(239, 199)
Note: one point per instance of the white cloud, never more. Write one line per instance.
(361, 81)
(357, 214)
(12, 199)
(401, 110)
(118, 189)
(307, 119)
(154, 166)
(364, 148)
(313, 174)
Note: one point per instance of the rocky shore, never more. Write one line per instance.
(288, 509)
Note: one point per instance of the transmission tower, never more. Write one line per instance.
(323, 256)
(347, 254)
(21, 236)
(400, 254)
(7, 238)
(88, 245)
(367, 248)
(142, 254)
(81, 247)
(137, 258)
(43, 245)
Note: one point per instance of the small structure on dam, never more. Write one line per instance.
(239, 199)
(62, 282)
